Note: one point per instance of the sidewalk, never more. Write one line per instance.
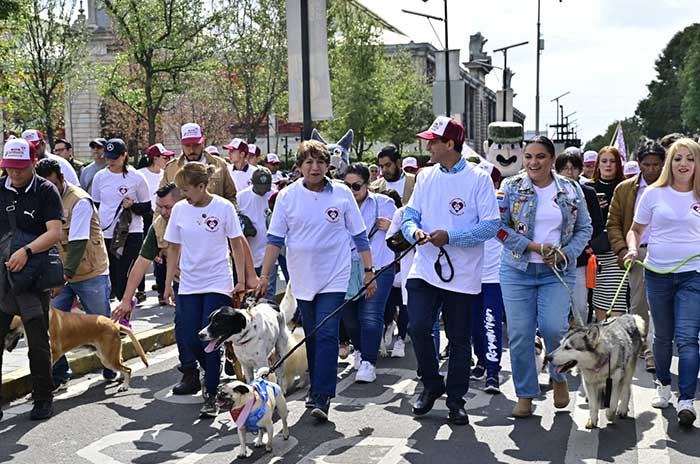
(153, 325)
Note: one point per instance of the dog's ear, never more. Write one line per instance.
(242, 389)
(593, 334)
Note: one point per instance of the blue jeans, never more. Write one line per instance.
(364, 319)
(487, 328)
(184, 353)
(673, 303)
(193, 317)
(534, 298)
(322, 347)
(423, 305)
(94, 296)
(272, 283)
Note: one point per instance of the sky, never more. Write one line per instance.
(602, 51)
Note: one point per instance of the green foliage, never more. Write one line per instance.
(251, 61)
(44, 52)
(632, 130)
(163, 44)
(670, 106)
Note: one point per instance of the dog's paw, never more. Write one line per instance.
(258, 443)
(244, 453)
(285, 435)
(268, 449)
(383, 353)
(610, 415)
(590, 425)
(622, 412)
(123, 388)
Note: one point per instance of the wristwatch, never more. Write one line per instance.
(28, 251)
(369, 269)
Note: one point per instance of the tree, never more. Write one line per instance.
(47, 51)
(163, 42)
(689, 83)
(661, 111)
(632, 130)
(252, 47)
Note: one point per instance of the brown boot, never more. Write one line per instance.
(561, 394)
(650, 363)
(523, 408)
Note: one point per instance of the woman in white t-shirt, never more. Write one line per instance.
(364, 319)
(117, 191)
(157, 157)
(670, 208)
(544, 223)
(201, 231)
(318, 219)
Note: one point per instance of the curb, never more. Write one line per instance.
(18, 383)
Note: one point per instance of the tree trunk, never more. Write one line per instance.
(151, 126)
(48, 120)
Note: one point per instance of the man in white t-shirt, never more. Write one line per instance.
(272, 162)
(36, 138)
(241, 170)
(254, 154)
(253, 202)
(452, 212)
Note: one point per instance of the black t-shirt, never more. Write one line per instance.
(35, 205)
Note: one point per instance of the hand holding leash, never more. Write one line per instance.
(630, 257)
(261, 288)
(421, 237)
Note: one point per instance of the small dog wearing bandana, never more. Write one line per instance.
(251, 406)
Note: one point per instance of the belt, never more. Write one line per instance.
(643, 245)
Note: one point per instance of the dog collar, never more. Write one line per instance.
(240, 415)
(601, 364)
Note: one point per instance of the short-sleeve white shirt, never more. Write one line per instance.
(109, 189)
(254, 206)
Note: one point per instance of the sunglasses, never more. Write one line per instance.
(356, 186)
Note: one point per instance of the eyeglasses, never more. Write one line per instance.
(59, 150)
(356, 186)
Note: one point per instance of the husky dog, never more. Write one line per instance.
(604, 350)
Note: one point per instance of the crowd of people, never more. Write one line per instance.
(541, 251)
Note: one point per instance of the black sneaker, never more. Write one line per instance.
(492, 385)
(43, 409)
(478, 373)
(309, 401)
(320, 410)
(108, 374)
(209, 408)
(141, 297)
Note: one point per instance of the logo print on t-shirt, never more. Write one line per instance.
(332, 215)
(123, 189)
(457, 206)
(696, 208)
(212, 223)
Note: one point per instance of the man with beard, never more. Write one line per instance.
(650, 157)
(192, 142)
(393, 176)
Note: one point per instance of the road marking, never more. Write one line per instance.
(398, 448)
(650, 429)
(582, 444)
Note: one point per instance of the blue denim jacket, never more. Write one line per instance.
(517, 203)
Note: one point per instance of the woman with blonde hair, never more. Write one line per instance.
(670, 208)
(607, 175)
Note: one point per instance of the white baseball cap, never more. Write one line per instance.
(212, 150)
(237, 144)
(590, 156)
(17, 153)
(191, 133)
(409, 162)
(32, 135)
(272, 158)
(631, 169)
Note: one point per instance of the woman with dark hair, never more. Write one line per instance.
(318, 219)
(117, 191)
(607, 175)
(571, 165)
(544, 227)
(364, 319)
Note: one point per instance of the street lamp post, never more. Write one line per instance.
(505, 70)
(539, 52)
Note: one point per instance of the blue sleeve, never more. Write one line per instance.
(410, 223)
(474, 235)
(583, 229)
(275, 240)
(361, 241)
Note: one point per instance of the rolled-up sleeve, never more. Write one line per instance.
(361, 241)
(410, 223)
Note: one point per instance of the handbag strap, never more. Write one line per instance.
(9, 201)
(375, 226)
(116, 213)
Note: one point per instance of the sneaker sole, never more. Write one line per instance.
(473, 377)
(492, 390)
(401, 355)
(686, 418)
(319, 414)
(660, 405)
(365, 380)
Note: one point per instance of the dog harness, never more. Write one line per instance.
(244, 417)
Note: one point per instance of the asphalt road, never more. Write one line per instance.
(369, 424)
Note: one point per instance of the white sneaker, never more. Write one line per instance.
(662, 397)
(686, 412)
(357, 360)
(389, 334)
(399, 350)
(366, 373)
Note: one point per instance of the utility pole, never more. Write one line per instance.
(305, 70)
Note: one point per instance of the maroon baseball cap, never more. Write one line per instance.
(444, 127)
(237, 144)
(18, 154)
(158, 150)
(191, 133)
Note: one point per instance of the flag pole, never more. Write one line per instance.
(614, 137)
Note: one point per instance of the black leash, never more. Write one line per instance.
(438, 266)
(354, 298)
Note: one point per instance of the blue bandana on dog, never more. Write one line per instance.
(251, 422)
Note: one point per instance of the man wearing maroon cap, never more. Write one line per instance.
(192, 142)
(37, 212)
(241, 170)
(451, 213)
(254, 153)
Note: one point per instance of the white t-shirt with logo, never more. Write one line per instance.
(548, 219)
(254, 206)
(673, 220)
(407, 260)
(318, 227)
(452, 202)
(153, 180)
(397, 185)
(242, 178)
(109, 189)
(203, 233)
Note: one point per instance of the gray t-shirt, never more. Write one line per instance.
(88, 173)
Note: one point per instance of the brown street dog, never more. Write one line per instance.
(68, 331)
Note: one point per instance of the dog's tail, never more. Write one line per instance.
(135, 341)
(639, 322)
